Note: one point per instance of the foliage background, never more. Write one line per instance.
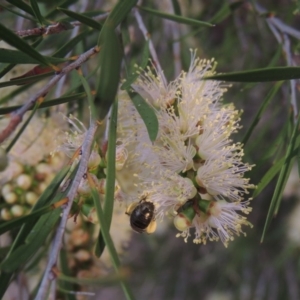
(163, 267)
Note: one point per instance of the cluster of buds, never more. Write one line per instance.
(25, 185)
(79, 243)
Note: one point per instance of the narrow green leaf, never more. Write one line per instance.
(18, 222)
(48, 103)
(110, 177)
(178, 19)
(176, 7)
(261, 110)
(34, 241)
(5, 68)
(37, 12)
(271, 173)
(22, 5)
(66, 48)
(259, 75)
(88, 92)
(109, 242)
(11, 38)
(81, 18)
(3, 251)
(132, 78)
(25, 80)
(119, 12)
(5, 7)
(63, 4)
(283, 177)
(77, 83)
(276, 146)
(90, 14)
(63, 283)
(147, 114)
(110, 66)
(18, 57)
(225, 11)
(276, 57)
(4, 282)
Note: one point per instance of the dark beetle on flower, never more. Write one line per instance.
(142, 216)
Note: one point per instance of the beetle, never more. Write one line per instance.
(142, 216)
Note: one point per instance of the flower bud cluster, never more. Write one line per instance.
(19, 194)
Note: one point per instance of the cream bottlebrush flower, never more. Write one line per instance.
(194, 141)
(168, 191)
(71, 140)
(33, 146)
(214, 220)
(222, 175)
(152, 86)
(37, 141)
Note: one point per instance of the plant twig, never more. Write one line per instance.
(86, 149)
(147, 36)
(54, 28)
(281, 31)
(17, 116)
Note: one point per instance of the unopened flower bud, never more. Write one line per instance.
(43, 168)
(185, 216)
(49, 178)
(10, 197)
(57, 160)
(82, 255)
(24, 181)
(79, 237)
(7, 188)
(121, 157)
(16, 169)
(6, 214)
(94, 160)
(191, 189)
(31, 198)
(17, 210)
(41, 187)
(102, 185)
(84, 187)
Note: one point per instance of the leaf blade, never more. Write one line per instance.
(147, 114)
(259, 75)
(15, 41)
(175, 18)
(110, 177)
(81, 18)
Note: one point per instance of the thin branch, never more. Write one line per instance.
(293, 83)
(17, 116)
(86, 149)
(147, 36)
(278, 23)
(281, 31)
(55, 28)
